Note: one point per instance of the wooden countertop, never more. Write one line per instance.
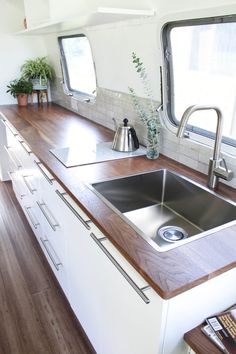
(200, 343)
(169, 273)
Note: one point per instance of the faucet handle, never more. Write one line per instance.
(223, 171)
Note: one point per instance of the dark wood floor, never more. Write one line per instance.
(35, 318)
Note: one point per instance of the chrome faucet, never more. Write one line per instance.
(217, 165)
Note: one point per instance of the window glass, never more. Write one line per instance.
(200, 60)
(78, 66)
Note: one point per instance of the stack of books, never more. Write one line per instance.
(221, 329)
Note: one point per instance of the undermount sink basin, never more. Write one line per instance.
(166, 209)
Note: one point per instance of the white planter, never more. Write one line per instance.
(39, 84)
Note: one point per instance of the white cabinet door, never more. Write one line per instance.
(61, 10)
(36, 13)
(4, 159)
(105, 294)
(31, 213)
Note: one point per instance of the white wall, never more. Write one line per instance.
(112, 45)
(15, 49)
(172, 6)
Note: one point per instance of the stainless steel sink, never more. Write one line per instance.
(166, 209)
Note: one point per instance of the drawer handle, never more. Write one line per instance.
(25, 147)
(50, 180)
(10, 174)
(42, 207)
(61, 195)
(28, 211)
(31, 189)
(56, 264)
(139, 291)
(12, 157)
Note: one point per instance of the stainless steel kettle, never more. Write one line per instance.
(125, 138)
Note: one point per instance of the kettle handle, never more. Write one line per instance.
(134, 137)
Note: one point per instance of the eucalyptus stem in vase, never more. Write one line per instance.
(148, 113)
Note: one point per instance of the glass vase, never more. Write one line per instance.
(153, 140)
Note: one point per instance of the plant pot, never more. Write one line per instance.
(39, 84)
(22, 99)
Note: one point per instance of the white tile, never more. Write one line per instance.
(204, 157)
(169, 153)
(189, 152)
(188, 162)
(202, 167)
(119, 105)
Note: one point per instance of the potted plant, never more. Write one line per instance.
(20, 89)
(39, 71)
(148, 113)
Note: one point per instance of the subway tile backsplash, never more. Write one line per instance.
(111, 104)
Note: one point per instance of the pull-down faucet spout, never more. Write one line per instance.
(217, 166)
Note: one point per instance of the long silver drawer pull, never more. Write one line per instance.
(50, 180)
(35, 224)
(42, 207)
(56, 264)
(138, 290)
(31, 189)
(61, 195)
(12, 157)
(25, 147)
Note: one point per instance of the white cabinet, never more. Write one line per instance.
(3, 154)
(36, 13)
(32, 184)
(107, 298)
(61, 10)
(53, 16)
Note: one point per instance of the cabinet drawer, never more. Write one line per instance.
(31, 212)
(29, 183)
(15, 163)
(106, 290)
(54, 261)
(117, 260)
(68, 207)
(21, 149)
(44, 176)
(52, 228)
(17, 184)
(32, 216)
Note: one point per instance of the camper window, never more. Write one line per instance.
(199, 58)
(78, 67)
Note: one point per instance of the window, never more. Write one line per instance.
(200, 57)
(78, 67)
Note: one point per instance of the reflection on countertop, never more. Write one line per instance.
(98, 152)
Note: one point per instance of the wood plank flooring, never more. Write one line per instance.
(35, 317)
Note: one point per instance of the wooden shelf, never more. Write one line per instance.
(122, 11)
(199, 343)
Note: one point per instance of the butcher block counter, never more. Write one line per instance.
(169, 273)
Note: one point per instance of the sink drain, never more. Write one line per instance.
(172, 233)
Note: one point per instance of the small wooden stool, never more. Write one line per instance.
(40, 94)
